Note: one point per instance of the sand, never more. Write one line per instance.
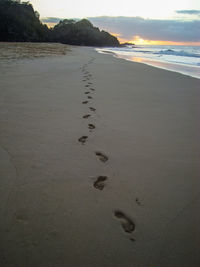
(120, 187)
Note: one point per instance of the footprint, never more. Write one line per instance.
(91, 126)
(86, 116)
(92, 109)
(101, 156)
(83, 139)
(99, 183)
(21, 218)
(89, 97)
(85, 102)
(92, 89)
(87, 93)
(127, 224)
(87, 85)
(138, 201)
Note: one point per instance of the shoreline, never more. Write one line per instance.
(193, 71)
(99, 163)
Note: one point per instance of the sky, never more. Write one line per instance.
(139, 21)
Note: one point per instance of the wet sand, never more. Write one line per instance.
(99, 163)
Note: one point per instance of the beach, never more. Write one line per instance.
(99, 163)
(181, 59)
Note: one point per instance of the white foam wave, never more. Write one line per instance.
(181, 57)
(177, 53)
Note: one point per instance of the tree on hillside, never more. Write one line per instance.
(19, 22)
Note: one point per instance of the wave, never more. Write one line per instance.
(185, 60)
(167, 52)
(128, 49)
(181, 53)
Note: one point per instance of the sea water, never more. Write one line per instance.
(182, 59)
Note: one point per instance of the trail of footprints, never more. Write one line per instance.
(88, 87)
(127, 224)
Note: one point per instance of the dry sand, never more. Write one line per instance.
(117, 188)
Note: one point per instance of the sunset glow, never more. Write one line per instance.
(142, 22)
(137, 40)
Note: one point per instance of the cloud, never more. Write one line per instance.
(150, 29)
(188, 12)
(51, 20)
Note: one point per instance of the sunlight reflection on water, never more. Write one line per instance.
(187, 70)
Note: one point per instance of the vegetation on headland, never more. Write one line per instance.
(82, 33)
(19, 22)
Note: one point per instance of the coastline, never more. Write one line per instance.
(192, 71)
(145, 142)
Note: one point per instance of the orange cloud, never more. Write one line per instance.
(140, 41)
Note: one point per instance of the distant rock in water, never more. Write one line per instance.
(20, 23)
(127, 44)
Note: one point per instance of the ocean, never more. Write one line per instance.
(182, 59)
